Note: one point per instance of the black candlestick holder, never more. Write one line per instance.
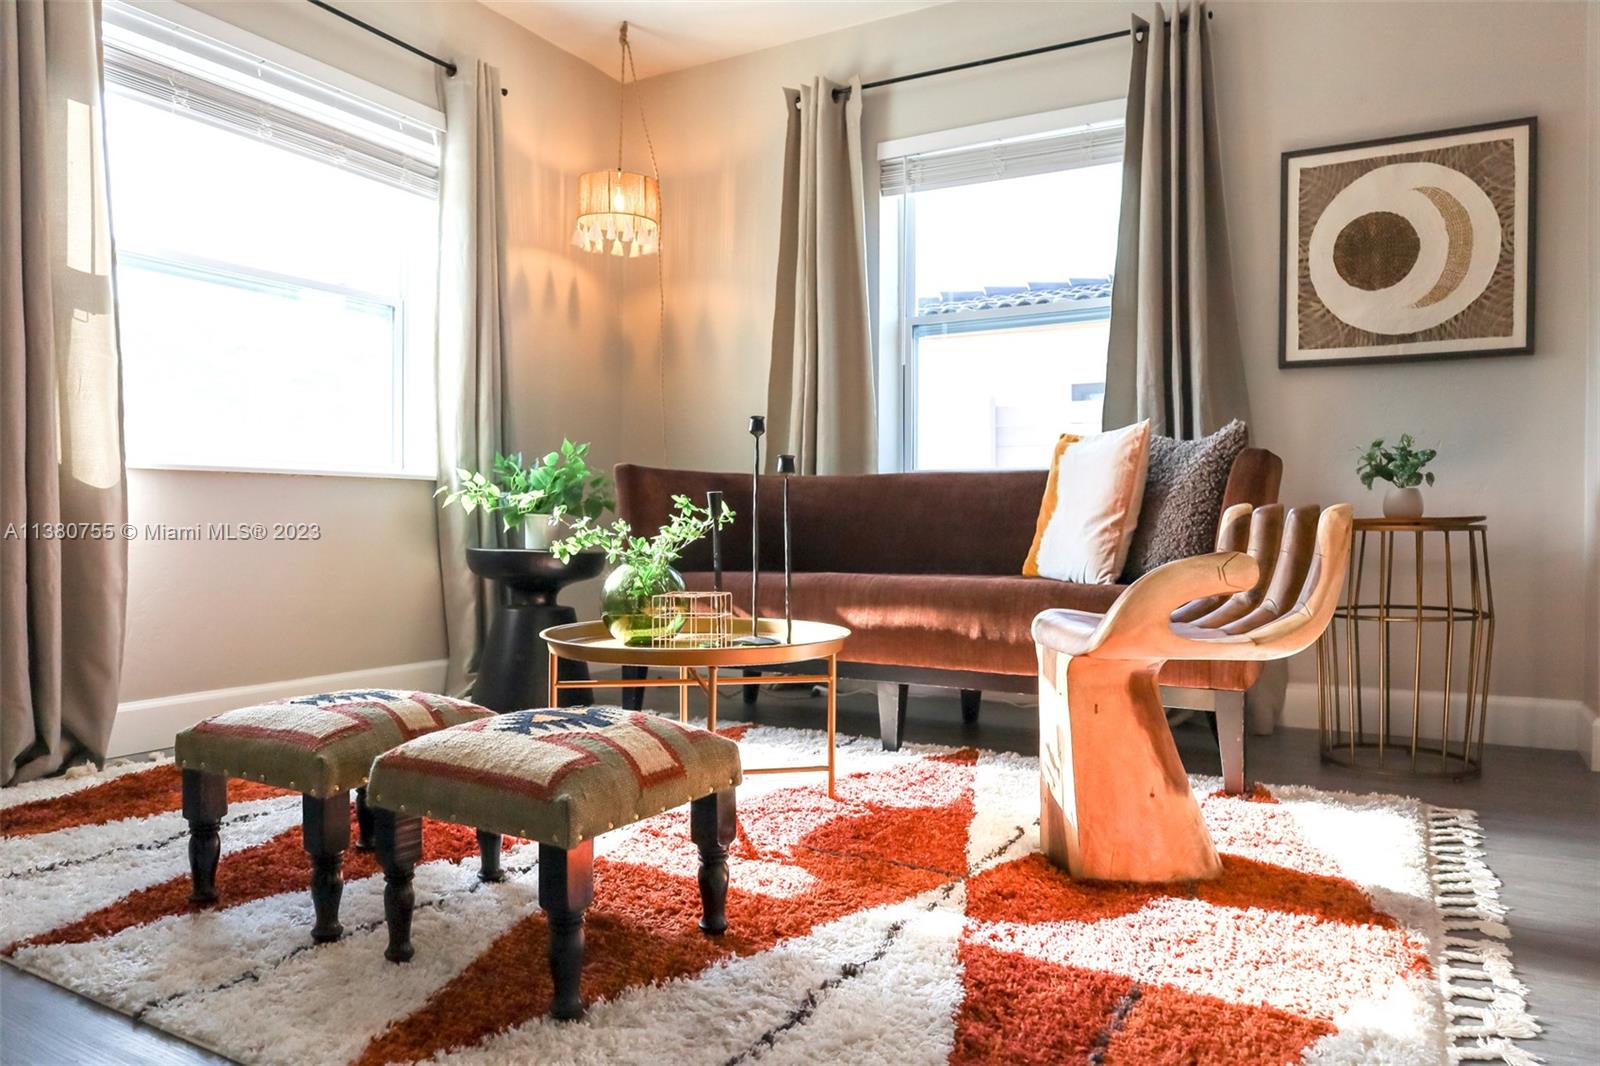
(758, 427)
(714, 505)
(787, 466)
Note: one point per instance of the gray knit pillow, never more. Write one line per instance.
(1183, 497)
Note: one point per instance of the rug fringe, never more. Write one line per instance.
(1484, 1001)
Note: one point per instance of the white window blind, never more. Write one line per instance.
(163, 63)
(1015, 157)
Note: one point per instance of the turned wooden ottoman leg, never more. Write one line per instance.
(326, 832)
(398, 841)
(489, 857)
(363, 820)
(713, 820)
(566, 888)
(205, 801)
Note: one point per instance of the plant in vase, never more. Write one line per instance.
(532, 502)
(1401, 465)
(642, 567)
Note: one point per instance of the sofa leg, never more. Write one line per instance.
(970, 700)
(325, 828)
(633, 698)
(399, 846)
(1229, 725)
(566, 888)
(205, 801)
(892, 700)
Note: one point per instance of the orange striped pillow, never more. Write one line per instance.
(1047, 507)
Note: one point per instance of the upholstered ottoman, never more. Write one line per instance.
(560, 777)
(320, 746)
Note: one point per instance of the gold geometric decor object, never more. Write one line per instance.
(1403, 671)
(1409, 248)
(705, 618)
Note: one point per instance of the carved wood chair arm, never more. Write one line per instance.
(1138, 624)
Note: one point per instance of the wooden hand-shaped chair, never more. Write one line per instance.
(1114, 798)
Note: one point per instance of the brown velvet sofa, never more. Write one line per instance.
(924, 568)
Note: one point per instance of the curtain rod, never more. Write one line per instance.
(839, 94)
(449, 67)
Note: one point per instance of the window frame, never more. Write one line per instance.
(413, 310)
(901, 323)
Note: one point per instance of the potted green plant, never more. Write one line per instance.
(1401, 465)
(641, 568)
(533, 502)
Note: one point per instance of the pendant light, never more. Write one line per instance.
(620, 211)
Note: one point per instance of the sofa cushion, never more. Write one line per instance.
(558, 776)
(1102, 478)
(1047, 506)
(319, 745)
(1183, 497)
(939, 621)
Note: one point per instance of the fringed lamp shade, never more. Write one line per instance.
(620, 210)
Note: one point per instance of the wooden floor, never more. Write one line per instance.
(1540, 810)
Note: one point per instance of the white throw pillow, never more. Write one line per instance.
(1102, 489)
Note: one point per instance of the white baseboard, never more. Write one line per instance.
(1587, 739)
(146, 725)
(1515, 721)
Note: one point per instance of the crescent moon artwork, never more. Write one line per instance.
(1408, 248)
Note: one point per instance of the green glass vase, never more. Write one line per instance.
(625, 606)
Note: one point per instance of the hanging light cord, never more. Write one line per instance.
(661, 283)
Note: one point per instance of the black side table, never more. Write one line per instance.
(513, 671)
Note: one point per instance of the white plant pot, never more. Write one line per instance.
(537, 532)
(1402, 503)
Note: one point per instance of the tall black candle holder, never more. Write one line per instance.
(714, 505)
(758, 427)
(787, 466)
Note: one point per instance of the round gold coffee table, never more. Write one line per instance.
(697, 667)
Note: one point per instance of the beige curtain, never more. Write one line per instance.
(820, 402)
(471, 371)
(1174, 351)
(63, 558)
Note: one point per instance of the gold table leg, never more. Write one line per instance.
(711, 698)
(555, 679)
(833, 703)
(683, 695)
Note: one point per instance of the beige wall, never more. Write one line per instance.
(204, 616)
(1511, 430)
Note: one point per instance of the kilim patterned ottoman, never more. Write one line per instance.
(560, 777)
(321, 746)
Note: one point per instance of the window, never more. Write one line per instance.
(276, 257)
(998, 246)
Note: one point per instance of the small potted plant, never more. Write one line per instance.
(532, 502)
(641, 568)
(1401, 465)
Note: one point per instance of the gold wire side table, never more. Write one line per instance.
(1448, 674)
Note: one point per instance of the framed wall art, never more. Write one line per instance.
(1408, 248)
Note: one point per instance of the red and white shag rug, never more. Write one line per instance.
(909, 921)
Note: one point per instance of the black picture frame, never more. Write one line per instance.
(1531, 124)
